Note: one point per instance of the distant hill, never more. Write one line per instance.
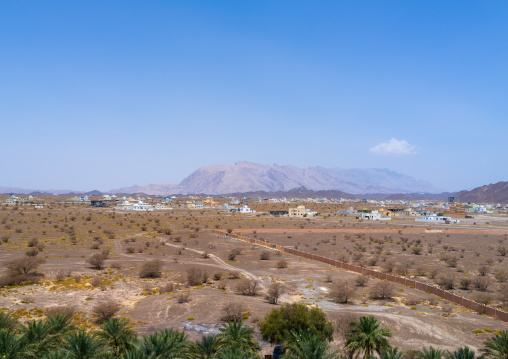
(303, 192)
(491, 193)
(251, 177)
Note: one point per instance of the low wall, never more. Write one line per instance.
(467, 303)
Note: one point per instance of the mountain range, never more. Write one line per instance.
(256, 180)
(249, 177)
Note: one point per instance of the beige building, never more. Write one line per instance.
(297, 212)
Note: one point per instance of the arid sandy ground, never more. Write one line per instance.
(67, 236)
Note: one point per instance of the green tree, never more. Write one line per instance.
(7, 321)
(83, 345)
(118, 335)
(461, 353)
(206, 348)
(11, 345)
(235, 352)
(391, 353)
(165, 344)
(497, 346)
(237, 334)
(366, 337)
(308, 345)
(37, 336)
(430, 353)
(280, 322)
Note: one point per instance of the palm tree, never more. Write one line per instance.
(366, 337)
(7, 321)
(11, 345)
(83, 345)
(118, 335)
(37, 337)
(237, 333)
(430, 353)
(461, 353)
(235, 352)
(497, 346)
(60, 324)
(308, 345)
(167, 344)
(207, 347)
(391, 353)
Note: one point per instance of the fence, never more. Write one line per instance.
(467, 303)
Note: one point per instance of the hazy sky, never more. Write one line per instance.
(105, 94)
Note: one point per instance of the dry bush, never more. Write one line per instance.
(275, 290)
(483, 270)
(32, 252)
(446, 282)
(24, 265)
(247, 287)
(502, 296)
(389, 265)
(183, 298)
(233, 312)
(77, 278)
(281, 264)
(232, 255)
(433, 273)
(264, 255)
(361, 280)
(105, 310)
(151, 269)
(501, 276)
(32, 242)
(130, 250)
(503, 251)
(482, 283)
(61, 275)
(67, 312)
(465, 283)
(328, 277)
(168, 287)
(420, 271)
(382, 290)
(342, 292)
(96, 281)
(221, 285)
(205, 255)
(411, 301)
(452, 261)
(217, 276)
(116, 265)
(96, 261)
(234, 274)
(194, 276)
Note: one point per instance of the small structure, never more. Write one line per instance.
(279, 213)
(97, 204)
(299, 211)
(434, 218)
(374, 216)
(12, 201)
(162, 206)
(139, 206)
(245, 209)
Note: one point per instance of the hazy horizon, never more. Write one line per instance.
(103, 95)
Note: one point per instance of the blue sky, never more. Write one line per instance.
(105, 94)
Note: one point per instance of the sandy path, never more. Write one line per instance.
(219, 261)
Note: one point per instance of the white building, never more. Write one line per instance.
(139, 206)
(434, 218)
(245, 209)
(12, 201)
(374, 216)
(162, 206)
